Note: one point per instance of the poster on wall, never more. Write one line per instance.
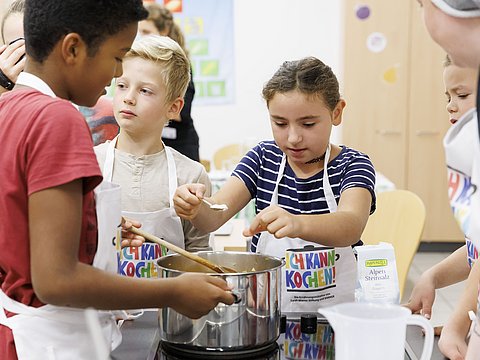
(208, 29)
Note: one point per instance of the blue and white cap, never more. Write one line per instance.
(459, 8)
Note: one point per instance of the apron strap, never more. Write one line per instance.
(8, 304)
(478, 102)
(3, 316)
(172, 174)
(281, 169)
(172, 169)
(327, 189)
(107, 170)
(58, 313)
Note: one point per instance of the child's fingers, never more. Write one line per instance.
(198, 190)
(128, 223)
(225, 296)
(437, 330)
(412, 308)
(132, 240)
(219, 282)
(426, 311)
(256, 226)
(186, 205)
(191, 194)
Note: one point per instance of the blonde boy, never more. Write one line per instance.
(149, 93)
(56, 232)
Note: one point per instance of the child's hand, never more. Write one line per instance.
(187, 200)
(197, 294)
(129, 238)
(276, 221)
(452, 342)
(423, 295)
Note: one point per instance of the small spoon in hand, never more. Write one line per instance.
(179, 250)
(216, 207)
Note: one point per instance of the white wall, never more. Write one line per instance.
(268, 32)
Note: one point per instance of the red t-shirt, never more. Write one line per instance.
(45, 142)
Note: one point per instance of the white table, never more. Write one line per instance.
(235, 241)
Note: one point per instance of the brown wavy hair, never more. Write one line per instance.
(163, 20)
(310, 76)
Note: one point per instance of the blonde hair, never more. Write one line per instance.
(170, 56)
(16, 7)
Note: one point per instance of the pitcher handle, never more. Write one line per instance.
(428, 343)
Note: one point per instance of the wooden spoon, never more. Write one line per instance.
(179, 250)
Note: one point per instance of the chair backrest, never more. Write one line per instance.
(228, 156)
(399, 219)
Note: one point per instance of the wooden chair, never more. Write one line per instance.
(399, 219)
(228, 156)
(206, 164)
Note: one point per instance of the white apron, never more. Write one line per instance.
(462, 153)
(165, 223)
(313, 278)
(55, 332)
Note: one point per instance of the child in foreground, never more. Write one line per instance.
(56, 234)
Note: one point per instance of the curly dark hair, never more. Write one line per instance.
(310, 76)
(47, 21)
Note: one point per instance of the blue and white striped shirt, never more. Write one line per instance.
(259, 168)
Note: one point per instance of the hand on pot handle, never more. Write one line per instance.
(237, 296)
(195, 295)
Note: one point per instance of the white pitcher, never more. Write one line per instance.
(365, 331)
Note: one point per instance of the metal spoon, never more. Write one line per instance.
(216, 207)
(179, 250)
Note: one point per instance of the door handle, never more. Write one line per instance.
(388, 132)
(426, 133)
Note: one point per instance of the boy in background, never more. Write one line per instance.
(53, 229)
(447, 21)
(461, 92)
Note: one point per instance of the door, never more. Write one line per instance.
(395, 104)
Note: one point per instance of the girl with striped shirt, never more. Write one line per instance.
(306, 190)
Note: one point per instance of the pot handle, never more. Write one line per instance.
(237, 297)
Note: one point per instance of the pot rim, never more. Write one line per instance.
(241, 253)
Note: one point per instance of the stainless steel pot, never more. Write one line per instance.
(252, 322)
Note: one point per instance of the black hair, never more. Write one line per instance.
(47, 21)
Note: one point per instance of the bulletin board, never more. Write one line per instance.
(208, 26)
